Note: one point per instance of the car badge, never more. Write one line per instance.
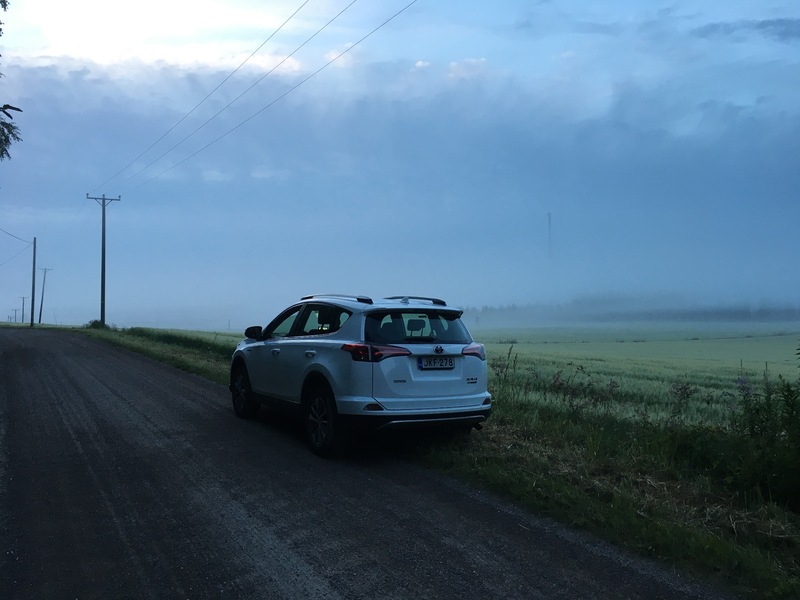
(438, 349)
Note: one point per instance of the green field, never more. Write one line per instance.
(646, 360)
(665, 439)
(677, 348)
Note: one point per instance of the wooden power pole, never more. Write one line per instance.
(33, 286)
(44, 281)
(103, 202)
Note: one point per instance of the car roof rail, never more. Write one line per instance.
(436, 301)
(362, 299)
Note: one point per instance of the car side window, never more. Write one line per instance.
(281, 326)
(321, 319)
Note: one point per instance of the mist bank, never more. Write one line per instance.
(606, 311)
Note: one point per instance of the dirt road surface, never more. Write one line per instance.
(121, 477)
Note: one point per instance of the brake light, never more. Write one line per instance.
(373, 353)
(474, 349)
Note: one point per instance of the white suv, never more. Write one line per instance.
(342, 361)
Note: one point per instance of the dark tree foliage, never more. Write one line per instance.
(9, 132)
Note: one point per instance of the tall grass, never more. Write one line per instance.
(747, 437)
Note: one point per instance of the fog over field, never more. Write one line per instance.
(634, 157)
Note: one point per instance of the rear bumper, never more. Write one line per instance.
(381, 420)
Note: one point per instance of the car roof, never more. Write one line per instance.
(367, 304)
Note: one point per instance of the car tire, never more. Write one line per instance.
(244, 405)
(322, 422)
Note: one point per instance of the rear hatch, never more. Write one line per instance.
(430, 360)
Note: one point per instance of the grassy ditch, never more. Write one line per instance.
(691, 462)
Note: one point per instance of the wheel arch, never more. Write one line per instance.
(237, 361)
(315, 380)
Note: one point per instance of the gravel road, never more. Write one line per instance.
(121, 477)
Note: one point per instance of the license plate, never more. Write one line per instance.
(436, 362)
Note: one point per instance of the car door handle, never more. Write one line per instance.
(311, 353)
(276, 351)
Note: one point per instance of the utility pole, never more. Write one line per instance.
(103, 202)
(15, 314)
(33, 284)
(22, 320)
(44, 281)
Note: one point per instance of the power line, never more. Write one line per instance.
(183, 118)
(281, 96)
(33, 243)
(15, 237)
(17, 254)
(227, 106)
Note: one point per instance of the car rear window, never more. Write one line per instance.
(415, 327)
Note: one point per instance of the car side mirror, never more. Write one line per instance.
(254, 332)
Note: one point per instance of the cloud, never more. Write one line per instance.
(467, 69)
(786, 30)
(682, 180)
(342, 57)
(179, 31)
(216, 176)
(264, 172)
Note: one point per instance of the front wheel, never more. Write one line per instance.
(244, 405)
(322, 428)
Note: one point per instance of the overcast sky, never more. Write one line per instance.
(488, 153)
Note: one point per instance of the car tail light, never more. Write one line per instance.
(373, 353)
(475, 349)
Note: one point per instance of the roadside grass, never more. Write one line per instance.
(205, 354)
(638, 446)
(599, 475)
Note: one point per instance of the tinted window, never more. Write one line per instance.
(282, 324)
(408, 327)
(321, 318)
